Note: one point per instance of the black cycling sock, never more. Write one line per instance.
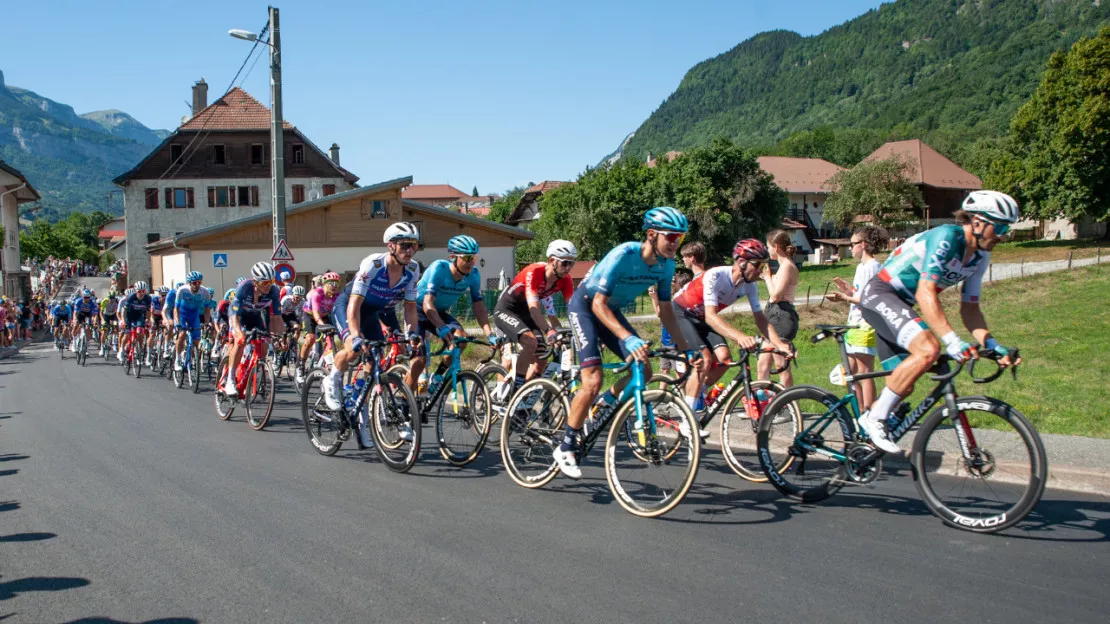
(518, 381)
(570, 439)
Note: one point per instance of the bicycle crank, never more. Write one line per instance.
(864, 463)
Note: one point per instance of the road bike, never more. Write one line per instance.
(651, 452)
(254, 380)
(81, 345)
(375, 398)
(135, 352)
(978, 463)
(460, 402)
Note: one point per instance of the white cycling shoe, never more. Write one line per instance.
(333, 390)
(567, 463)
(876, 430)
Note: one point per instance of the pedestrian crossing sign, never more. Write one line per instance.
(282, 253)
(219, 260)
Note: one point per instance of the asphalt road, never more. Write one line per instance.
(127, 500)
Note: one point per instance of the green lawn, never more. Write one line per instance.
(1061, 323)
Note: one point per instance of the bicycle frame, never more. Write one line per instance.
(740, 383)
(455, 353)
(247, 363)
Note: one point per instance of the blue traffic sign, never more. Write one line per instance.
(219, 260)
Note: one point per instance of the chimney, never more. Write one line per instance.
(650, 157)
(200, 96)
(334, 152)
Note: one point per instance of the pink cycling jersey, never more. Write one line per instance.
(319, 302)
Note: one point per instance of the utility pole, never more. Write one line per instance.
(277, 130)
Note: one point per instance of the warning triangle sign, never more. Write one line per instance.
(282, 253)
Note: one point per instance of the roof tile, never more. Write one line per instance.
(799, 175)
(928, 166)
(236, 110)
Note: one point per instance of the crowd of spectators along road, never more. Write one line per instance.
(18, 318)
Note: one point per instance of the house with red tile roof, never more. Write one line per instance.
(943, 183)
(215, 168)
(805, 181)
(436, 194)
(527, 208)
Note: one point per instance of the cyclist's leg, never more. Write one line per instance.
(522, 332)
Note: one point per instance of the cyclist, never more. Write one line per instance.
(440, 287)
(136, 313)
(316, 311)
(916, 272)
(698, 305)
(189, 309)
(623, 274)
(60, 314)
(255, 307)
(368, 302)
(222, 310)
(108, 307)
(518, 313)
(85, 309)
(291, 303)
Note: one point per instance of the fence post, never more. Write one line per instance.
(990, 272)
(1069, 260)
(808, 288)
(1023, 266)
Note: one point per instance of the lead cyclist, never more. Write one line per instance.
(916, 272)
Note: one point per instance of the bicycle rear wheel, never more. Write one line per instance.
(82, 345)
(492, 375)
(646, 477)
(463, 419)
(324, 426)
(194, 367)
(992, 485)
(739, 429)
(225, 405)
(259, 399)
(531, 429)
(811, 475)
(393, 411)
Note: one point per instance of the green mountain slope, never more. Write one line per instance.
(69, 158)
(919, 64)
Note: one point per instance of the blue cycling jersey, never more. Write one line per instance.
(440, 283)
(90, 306)
(156, 302)
(189, 304)
(244, 300)
(62, 309)
(133, 305)
(170, 302)
(623, 275)
(372, 282)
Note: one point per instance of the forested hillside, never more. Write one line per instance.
(914, 67)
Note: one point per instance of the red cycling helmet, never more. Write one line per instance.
(331, 277)
(750, 249)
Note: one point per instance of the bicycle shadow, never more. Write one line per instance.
(13, 457)
(106, 620)
(13, 588)
(26, 537)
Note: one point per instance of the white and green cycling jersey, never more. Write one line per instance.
(936, 255)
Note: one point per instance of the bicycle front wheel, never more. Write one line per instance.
(394, 424)
(323, 426)
(813, 469)
(493, 375)
(531, 429)
(982, 469)
(259, 399)
(225, 405)
(646, 477)
(740, 424)
(463, 419)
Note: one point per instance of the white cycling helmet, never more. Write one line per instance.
(298, 291)
(399, 231)
(993, 205)
(262, 271)
(141, 286)
(562, 249)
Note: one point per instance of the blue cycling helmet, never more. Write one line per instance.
(178, 285)
(462, 244)
(230, 294)
(86, 293)
(239, 280)
(194, 276)
(211, 291)
(665, 218)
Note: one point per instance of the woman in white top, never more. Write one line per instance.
(866, 242)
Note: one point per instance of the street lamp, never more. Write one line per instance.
(277, 138)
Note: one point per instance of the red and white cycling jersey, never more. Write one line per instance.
(715, 289)
(531, 285)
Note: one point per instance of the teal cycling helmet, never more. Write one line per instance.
(462, 244)
(665, 218)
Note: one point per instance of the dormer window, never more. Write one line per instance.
(175, 152)
(219, 155)
(298, 154)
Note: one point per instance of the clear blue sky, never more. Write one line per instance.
(493, 93)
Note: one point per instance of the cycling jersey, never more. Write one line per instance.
(245, 302)
(134, 305)
(222, 308)
(156, 303)
(60, 310)
(372, 282)
(289, 305)
(170, 303)
(623, 275)
(936, 255)
(714, 289)
(530, 285)
(439, 282)
(85, 307)
(108, 306)
(191, 304)
(320, 302)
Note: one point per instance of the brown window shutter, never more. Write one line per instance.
(254, 198)
(211, 197)
(189, 194)
(329, 189)
(169, 198)
(231, 196)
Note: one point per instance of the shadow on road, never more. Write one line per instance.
(13, 457)
(11, 589)
(7, 473)
(27, 537)
(104, 620)
(9, 506)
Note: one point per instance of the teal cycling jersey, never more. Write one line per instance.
(622, 275)
(937, 256)
(440, 283)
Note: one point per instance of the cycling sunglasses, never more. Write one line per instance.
(331, 283)
(673, 237)
(1000, 229)
(466, 257)
(405, 245)
(566, 264)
